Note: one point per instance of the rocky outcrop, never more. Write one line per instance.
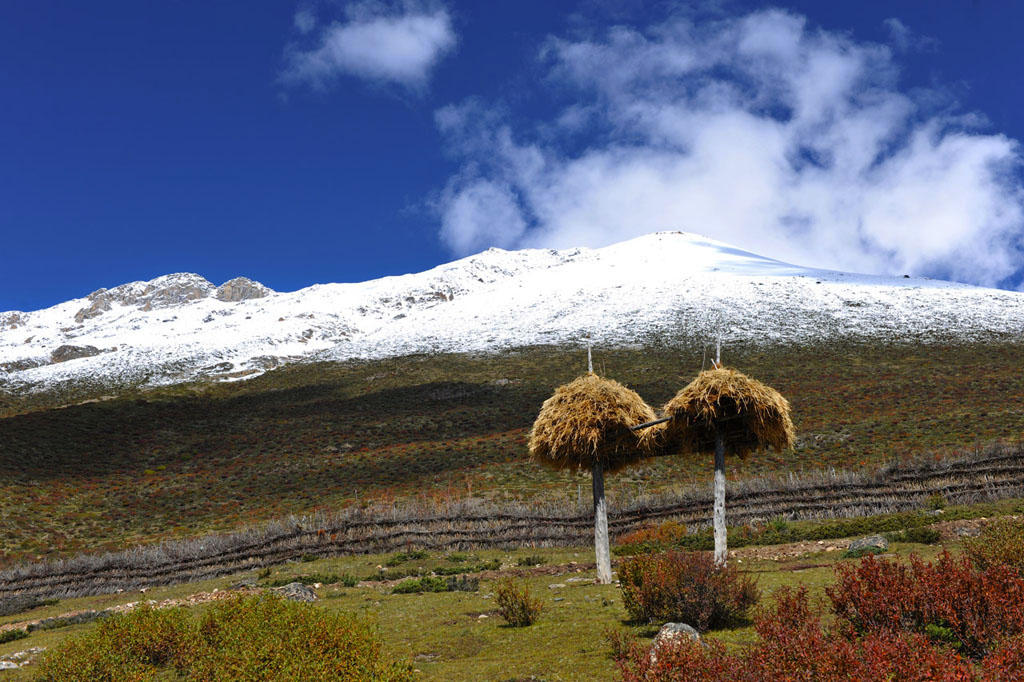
(240, 289)
(65, 353)
(11, 320)
(163, 292)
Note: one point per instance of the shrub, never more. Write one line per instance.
(515, 603)
(11, 635)
(531, 560)
(248, 639)
(926, 535)
(950, 600)
(1006, 664)
(128, 647)
(999, 543)
(265, 637)
(935, 502)
(792, 645)
(686, 587)
(665, 534)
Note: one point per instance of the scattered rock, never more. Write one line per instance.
(296, 592)
(968, 531)
(872, 542)
(556, 586)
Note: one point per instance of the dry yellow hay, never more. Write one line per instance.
(749, 414)
(589, 420)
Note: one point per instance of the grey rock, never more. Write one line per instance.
(672, 631)
(869, 542)
(297, 592)
(65, 353)
(240, 289)
(968, 531)
(556, 586)
(244, 583)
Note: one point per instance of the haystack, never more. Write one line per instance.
(589, 420)
(746, 412)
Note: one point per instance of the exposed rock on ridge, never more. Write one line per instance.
(169, 291)
(241, 289)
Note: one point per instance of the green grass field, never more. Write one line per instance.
(460, 636)
(187, 460)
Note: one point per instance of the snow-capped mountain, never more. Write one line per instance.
(181, 327)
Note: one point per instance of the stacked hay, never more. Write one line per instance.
(746, 412)
(588, 420)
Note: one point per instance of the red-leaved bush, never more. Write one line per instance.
(1006, 663)
(951, 600)
(685, 587)
(793, 646)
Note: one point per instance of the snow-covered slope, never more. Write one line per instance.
(180, 327)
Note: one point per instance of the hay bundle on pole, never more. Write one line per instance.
(723, 406)
(586, 425)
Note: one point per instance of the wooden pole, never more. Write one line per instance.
(721, 550)
(604, 555)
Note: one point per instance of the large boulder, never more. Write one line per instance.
(874, 544)
(296, 592)
(671, 633)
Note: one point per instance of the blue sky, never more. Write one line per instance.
(304, 142)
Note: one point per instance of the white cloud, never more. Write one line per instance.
(378, 42)
(305, 20)
(480, 215)
(758, 130)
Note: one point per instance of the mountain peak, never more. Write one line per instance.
(652, 289)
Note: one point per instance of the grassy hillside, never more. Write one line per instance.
(186, 460)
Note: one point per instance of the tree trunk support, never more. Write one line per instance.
(721, 550)
(604, 556)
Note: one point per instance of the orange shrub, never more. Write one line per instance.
(949, 600)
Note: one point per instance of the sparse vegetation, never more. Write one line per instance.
(516, 605)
